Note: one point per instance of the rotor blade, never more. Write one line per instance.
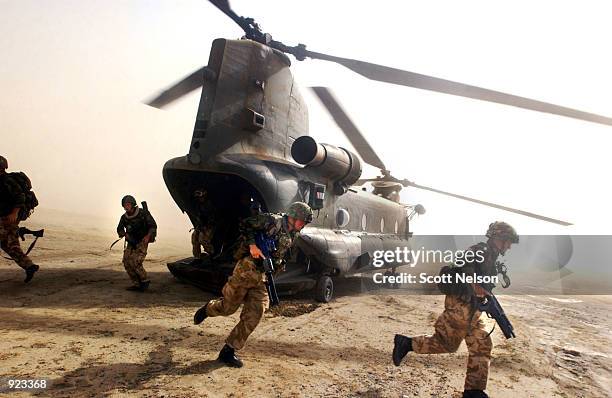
(251, 29)
(347, 126)
(482, 202)
(225, 8)
(404, 78)
(176, 91)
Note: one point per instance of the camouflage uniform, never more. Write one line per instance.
(135, 228)
(204, 228)
(202, 238)
(133, 258)
(9, 241)
(11, 197)
(247, 283)
(460, 321)
(461, 318)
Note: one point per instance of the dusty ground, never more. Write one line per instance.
(76, 326)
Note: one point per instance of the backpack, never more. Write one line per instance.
(145, 207)
(454, 288)
(30, 197)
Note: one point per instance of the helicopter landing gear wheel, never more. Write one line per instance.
(324, 291)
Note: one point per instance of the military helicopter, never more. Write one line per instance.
(251, 138)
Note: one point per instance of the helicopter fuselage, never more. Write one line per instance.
(250, 115)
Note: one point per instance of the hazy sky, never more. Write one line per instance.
(74, 74)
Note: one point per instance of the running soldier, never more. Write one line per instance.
(247, 284)
(17, 202)
(139, 229)
(461, 318)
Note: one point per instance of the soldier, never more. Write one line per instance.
(204, 226)
(461, 318)
(139, 229)
(16, 204)
(246, 285)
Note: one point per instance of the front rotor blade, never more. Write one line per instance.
(225, 8)
(347, 126)
(178, 90)
(404, 78)
(482, 202)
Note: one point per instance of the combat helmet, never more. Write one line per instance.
(3, 163)
(301, 211)
(128, 199)
(502, 230)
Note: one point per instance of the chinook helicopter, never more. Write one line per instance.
(251, 139)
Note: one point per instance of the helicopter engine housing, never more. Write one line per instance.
(335, 163)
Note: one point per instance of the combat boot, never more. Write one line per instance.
(30, 271)
(144, 285)
(200, 315)
(402, 345)
(474, 394)
(228, 357)
(133, 288)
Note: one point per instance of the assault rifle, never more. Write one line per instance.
(494, 310)
(267, 246)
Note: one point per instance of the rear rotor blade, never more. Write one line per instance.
(178, 90)
(251, 29)
(347, 126)
(225, 7)
(482, 202)
(404, 78)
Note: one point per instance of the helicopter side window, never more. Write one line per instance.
(342, 218)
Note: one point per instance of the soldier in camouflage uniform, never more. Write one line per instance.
(247, 284)
(12, 203)
(204, 226)
(461, 318)
(139, 229)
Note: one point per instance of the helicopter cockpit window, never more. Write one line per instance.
(342, 218)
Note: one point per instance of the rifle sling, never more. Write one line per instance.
(113, 244)
(31, 246)
(495, 324)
